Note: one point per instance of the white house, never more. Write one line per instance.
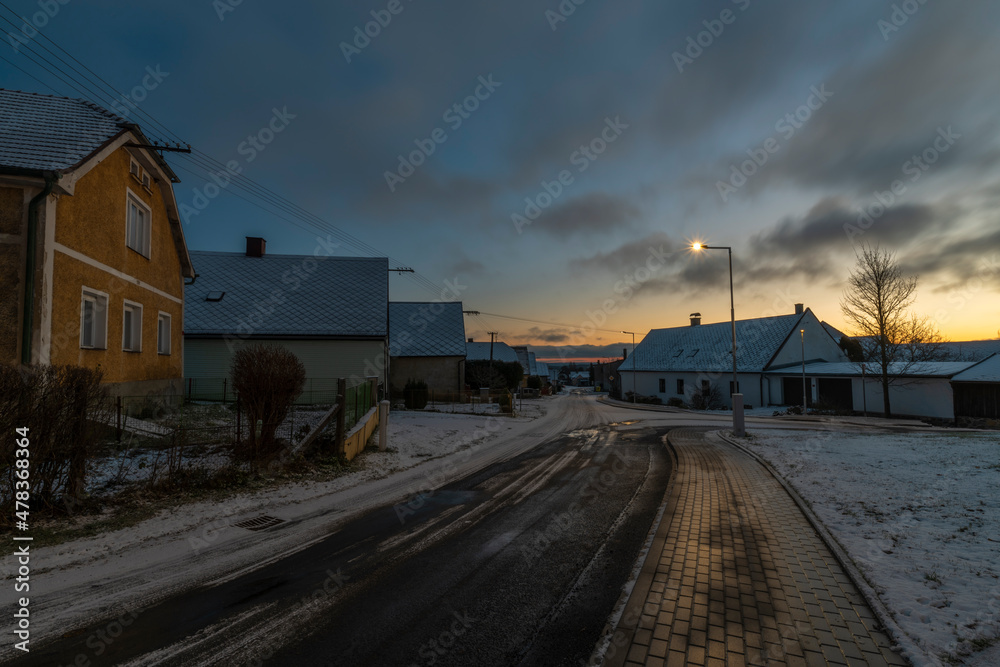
(680, 361)
(331, 312)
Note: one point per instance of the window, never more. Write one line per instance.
(706, 388)
(94, 320)
(215, 296)
(139, 174)
(138, 225)
(663, 385)
(731, 387)
(132, 327)
(680, 386)
(163, 334)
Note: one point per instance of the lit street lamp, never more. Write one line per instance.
(737, 397)
(633, 363)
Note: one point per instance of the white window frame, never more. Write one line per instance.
(134, 345)
(100, 336)
(161, 317)
(130, 199)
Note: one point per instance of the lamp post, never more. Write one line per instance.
(803, 334)
(633, 363)
(737, 397)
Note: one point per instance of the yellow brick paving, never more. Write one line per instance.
(740, 577)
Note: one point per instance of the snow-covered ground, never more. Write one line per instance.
(919, 513)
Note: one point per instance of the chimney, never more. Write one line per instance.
(695, 319)
(798, 309)
(255, 246)
(471, 341)
(624, 353)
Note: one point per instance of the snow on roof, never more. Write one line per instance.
(279, 295)
(481, 351)
(425, 329)
(987, 370)
(970, 350)
(532, 364)
(944, 369)
(542, 369)
(708, 347)
(49, 133)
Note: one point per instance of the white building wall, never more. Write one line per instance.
(647, 383)
(931, 397)
(818, 343)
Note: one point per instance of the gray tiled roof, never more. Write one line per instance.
(542, 369)
(943, 369)
(987, 370)
(501, 351)
(287, 295)
(425, 329)
(969, 350)
(708, 347)
(532, 364)
(48, 133)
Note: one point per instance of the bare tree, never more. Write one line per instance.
(876, 302)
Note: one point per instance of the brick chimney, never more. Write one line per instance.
(695, 319)
(471, 341)
(255, 246)
(799, 308)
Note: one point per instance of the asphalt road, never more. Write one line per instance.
(520, 563)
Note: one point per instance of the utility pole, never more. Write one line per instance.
(492, 334)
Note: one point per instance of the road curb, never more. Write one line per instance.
(909, 649)
(629, 608)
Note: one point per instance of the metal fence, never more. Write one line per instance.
(317, 391)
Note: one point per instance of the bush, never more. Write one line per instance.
(267, 380)
(415, 395)
(712, 400)
(675, 402)
(534, 382)
(506, 374)
(66, 411)
(639, 398)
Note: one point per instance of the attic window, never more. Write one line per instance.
(215, 296)
(694, 351)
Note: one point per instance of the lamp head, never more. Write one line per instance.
(697, 245)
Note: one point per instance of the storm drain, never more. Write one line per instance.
(259, 522)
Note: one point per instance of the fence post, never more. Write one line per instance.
(190, 382)
(341, 414)
(239, 421)
(383, 425)
(118, 418)
(225, 381)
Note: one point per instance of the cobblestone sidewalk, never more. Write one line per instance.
(737, 576)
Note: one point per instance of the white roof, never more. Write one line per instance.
(481, 351)
(944, 369)
(708, 347)
(987, 370)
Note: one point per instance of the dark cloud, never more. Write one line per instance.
(631, 255)
(548, 335)
(595, 213)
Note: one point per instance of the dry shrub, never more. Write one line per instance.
(267, 379)
(66, 412)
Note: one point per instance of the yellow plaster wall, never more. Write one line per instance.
(93, 222)
(11, 210)
(117, 364)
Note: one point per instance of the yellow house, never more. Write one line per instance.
(92, 255)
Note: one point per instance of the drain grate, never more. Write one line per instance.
(261, 522)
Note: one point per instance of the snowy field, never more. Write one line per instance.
(919, 513)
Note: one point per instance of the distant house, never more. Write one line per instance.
(427, 342)
(524, 358)
(92, 253)
(682, 361)
(331, 312)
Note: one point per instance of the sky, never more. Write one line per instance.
(552, 161)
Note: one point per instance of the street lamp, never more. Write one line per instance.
(633, 363)
(737, 397)
(803, 334)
